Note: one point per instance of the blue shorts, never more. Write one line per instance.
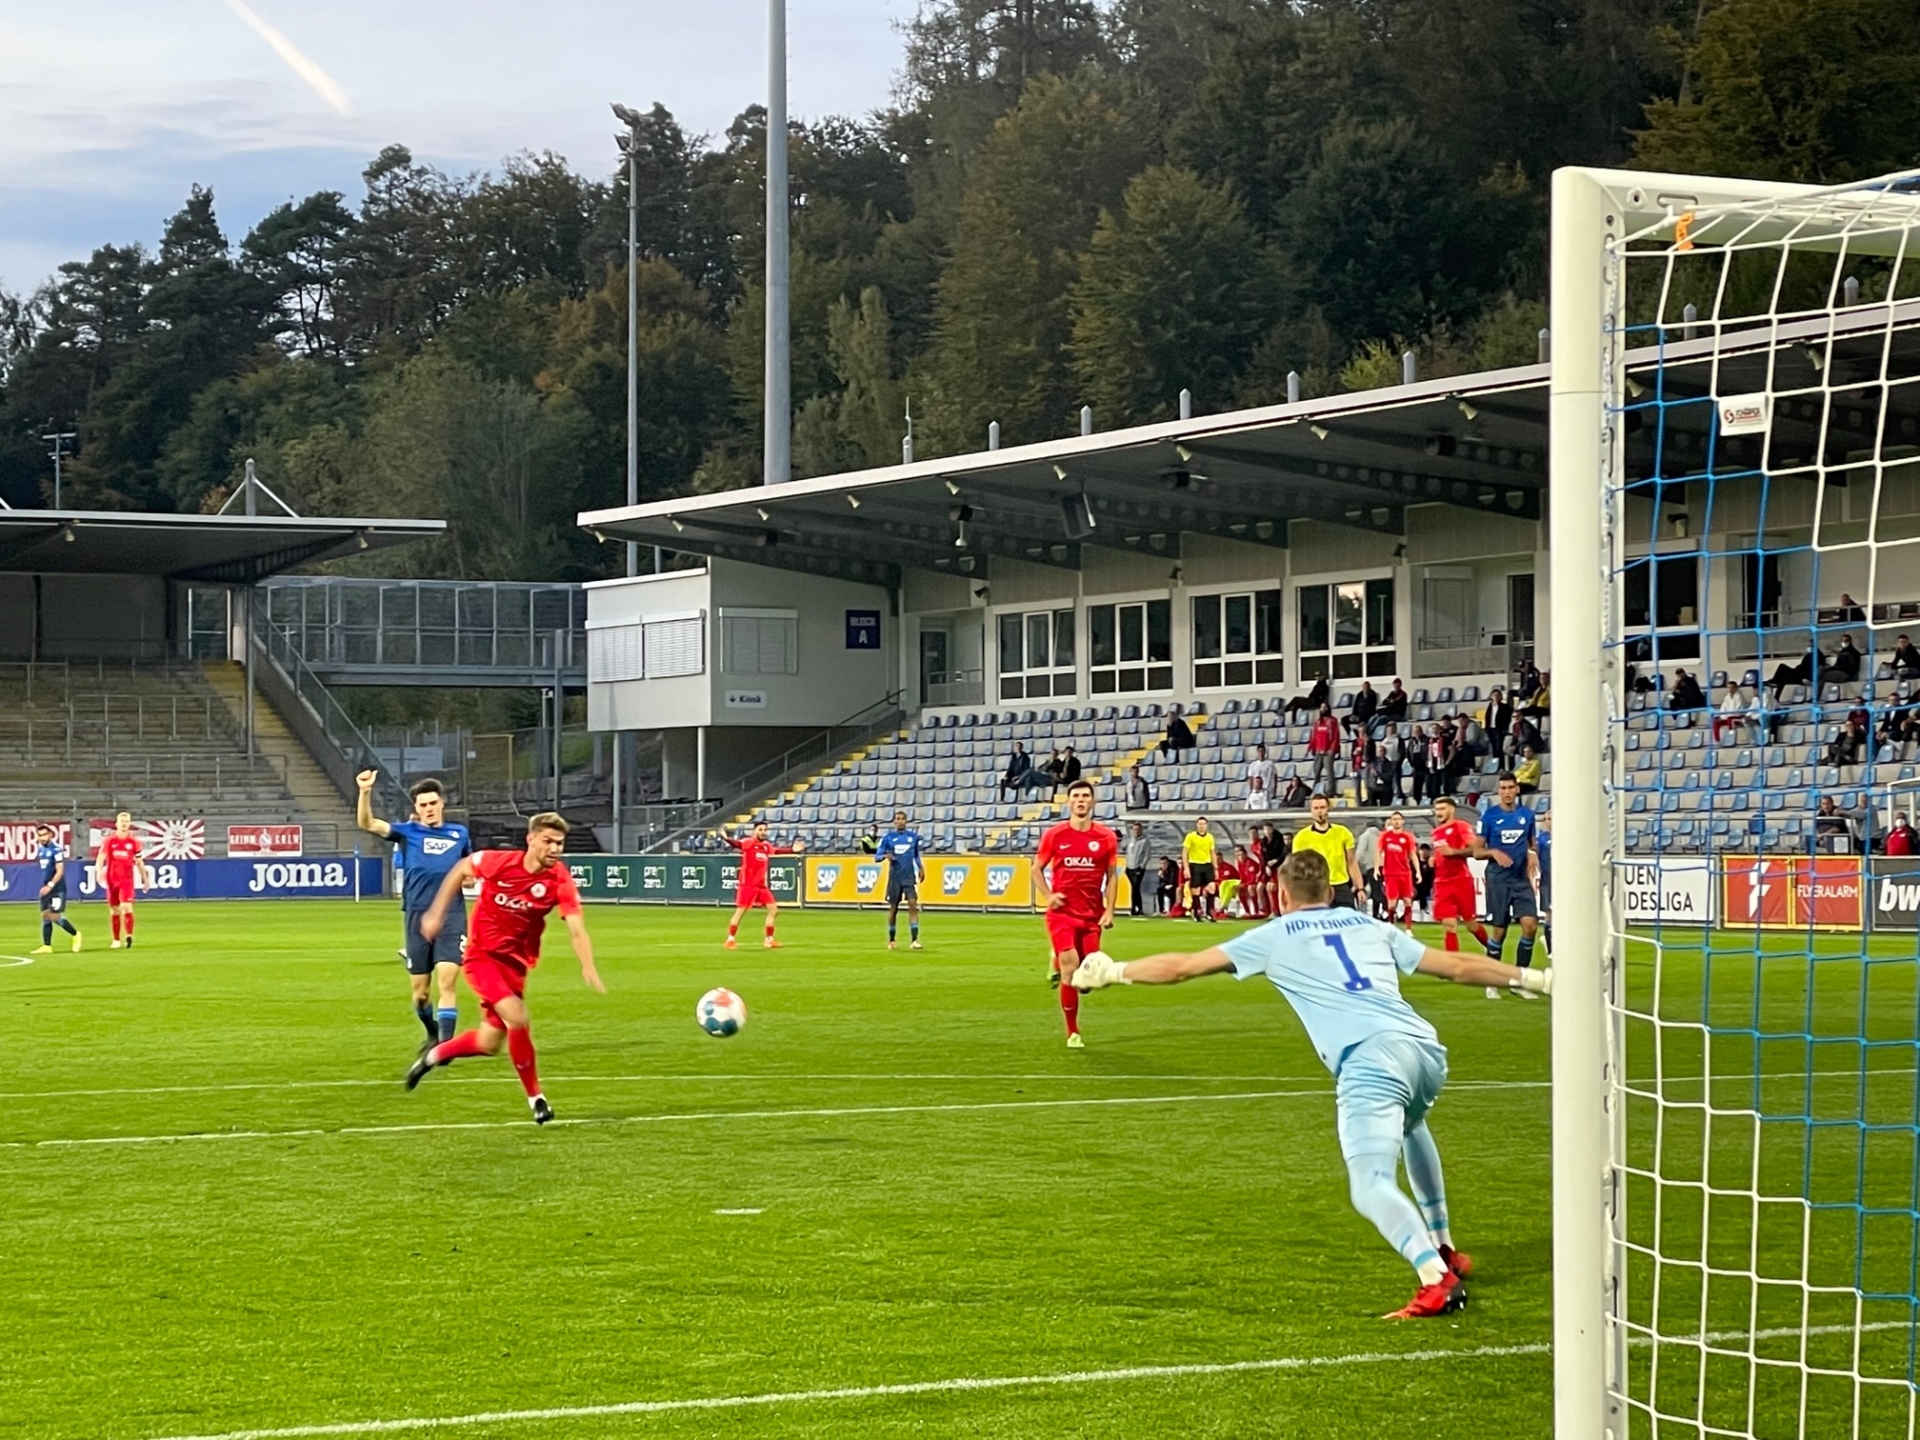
(444, 949)
(54, 901)
(1385, 1088)
(1510, 900)
(1546, 894)
(902, 887)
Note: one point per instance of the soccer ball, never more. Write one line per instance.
(721, 1013)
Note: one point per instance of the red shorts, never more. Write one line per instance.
(1454, 900)
(1398, 886)
(120, 890)
(748, 899)
(493, 980)
(1072, 933)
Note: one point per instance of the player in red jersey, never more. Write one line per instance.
(121, 865)
(518, 889)
(1399, 869)
(1453, 897)
(1074, 877)
(752, 889)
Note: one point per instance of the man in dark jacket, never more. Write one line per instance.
(1393, 705)
(1179, 734)
(1846, 661)
(1018, 767)
(1365, 703)
(1313, 699)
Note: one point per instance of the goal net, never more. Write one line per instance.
(1735, 506)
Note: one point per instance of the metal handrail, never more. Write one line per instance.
(335, 726)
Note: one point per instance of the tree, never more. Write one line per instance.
(1174, 292)
(401, 274)
(1821, 91)
(296, 251)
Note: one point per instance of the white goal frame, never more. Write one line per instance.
(1594, 211)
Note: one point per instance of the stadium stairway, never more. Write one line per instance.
(794, 792)
(307, 784)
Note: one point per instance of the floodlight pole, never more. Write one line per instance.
(59, 443)
(779, 378)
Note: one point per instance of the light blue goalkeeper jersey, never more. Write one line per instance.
(1340, 971)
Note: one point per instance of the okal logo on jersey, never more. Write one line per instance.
(999, 879)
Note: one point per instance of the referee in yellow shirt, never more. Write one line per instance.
(1332, 843)
(1197, 849)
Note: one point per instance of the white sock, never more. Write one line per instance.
(1433, 1271)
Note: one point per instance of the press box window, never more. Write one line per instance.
(1037, 655)
(760, 642)
(1130, 647)
(1236, 640)
(1346, 630)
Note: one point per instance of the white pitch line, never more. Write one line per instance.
(14, 962)
(975, 1384)
(742, 1210)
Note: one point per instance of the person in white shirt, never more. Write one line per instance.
(1260, 780)
(1737, 712)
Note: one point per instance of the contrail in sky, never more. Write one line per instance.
(323, 84)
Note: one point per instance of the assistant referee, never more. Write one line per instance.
(1332, 843)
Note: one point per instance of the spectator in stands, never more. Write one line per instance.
(1805, 671)
(1296, 795)
(1323, 750)
(1045, 777)
(1383, 772)
(1166, 885)
(1069, 766)
(1849, 741)
(1179, 734)
(1137, 853)
(1471, 737)
(1414, 759)
(1139, 793)
(1524, 736)
(1393, 705)
(1529, 682)
(1497, 718)
(1900, 725)
(1527, 772)
(1019, 766)
(1458, 761)
(1260, 780)
(1439, 743)
(1540, 702)
(1365, 704)
(1848, 611)
(1686, 694)
(870, 842)
(1903, 839)
(1314, 699)
(1732, 714)
(1846, 661)
(1905, 660)
(1829, 825)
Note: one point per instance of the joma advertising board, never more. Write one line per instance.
(218, 880)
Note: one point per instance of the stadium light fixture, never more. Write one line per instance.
(853, 501)
(1059, 472)
(1186, 455)
(675, 521)
(952, 489)
(1467, 409)
(1319, 431)
(761, 511)
(66, 534)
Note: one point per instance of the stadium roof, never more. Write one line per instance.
(216, 549)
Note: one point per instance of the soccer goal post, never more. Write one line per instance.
(1734, 493)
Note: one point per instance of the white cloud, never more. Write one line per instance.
(121, 105)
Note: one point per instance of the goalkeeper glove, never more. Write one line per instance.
(1540, 982)
(1099, 970)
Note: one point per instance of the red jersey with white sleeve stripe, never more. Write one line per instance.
(514, 904)
(754, 854)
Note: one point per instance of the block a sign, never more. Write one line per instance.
(863, 629)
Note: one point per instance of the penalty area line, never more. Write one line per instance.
(987, 1383)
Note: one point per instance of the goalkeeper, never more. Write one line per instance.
(1340, 970)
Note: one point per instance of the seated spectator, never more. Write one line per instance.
(1313, 699)
(1019, 766)
(1069, 766)
(1527, 772)
(1737, 712)
(1260, 780)
(1829, 825)
(1497, 718)
(1524, 736)
(1846, 661)
(1529, 681)
(1166, 888)
(1393, 705)
(1470, 737)
(1686, 693)
(1297, 793)
(1540, 702)
(1900, 725)
(1905, 660)
(1365, 703)
(1179, 734)
(1847, 742)
(1805, 671)
(1848, 611)
(1046, 777)
(1903, 839)
(1139, 793)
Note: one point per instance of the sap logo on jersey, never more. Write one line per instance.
(999, 879)
(330, 876)
(953, 879)
(825, 877)
(437, 844)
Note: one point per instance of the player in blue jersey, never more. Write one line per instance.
(427, 847)
(902, 848)
(52, 858)
(1506, 842)
(1543, 847)
(1340, 971)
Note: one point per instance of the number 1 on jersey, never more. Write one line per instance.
(1355, 980)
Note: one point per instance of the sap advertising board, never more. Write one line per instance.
(344, 878)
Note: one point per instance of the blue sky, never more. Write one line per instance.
(111, 110)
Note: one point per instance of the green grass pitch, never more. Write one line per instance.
(931, 1189)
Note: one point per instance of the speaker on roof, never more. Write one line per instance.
(1076, 514)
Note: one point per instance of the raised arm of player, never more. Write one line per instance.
(363, 805)
(583, 950)
(1166, 969)
(436, 915)
(735, 843)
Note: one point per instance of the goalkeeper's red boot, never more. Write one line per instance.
(1443, 1297)
(1458, 1261)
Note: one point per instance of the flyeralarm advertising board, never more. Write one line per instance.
(1793, 892)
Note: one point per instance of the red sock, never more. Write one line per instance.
(461, 1047)
(1070, 1007)
(114, 915)
(129, 924)
(520, 1048)
(1453, 941)
(733, 930)
(1480, 933)
(769, 929)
